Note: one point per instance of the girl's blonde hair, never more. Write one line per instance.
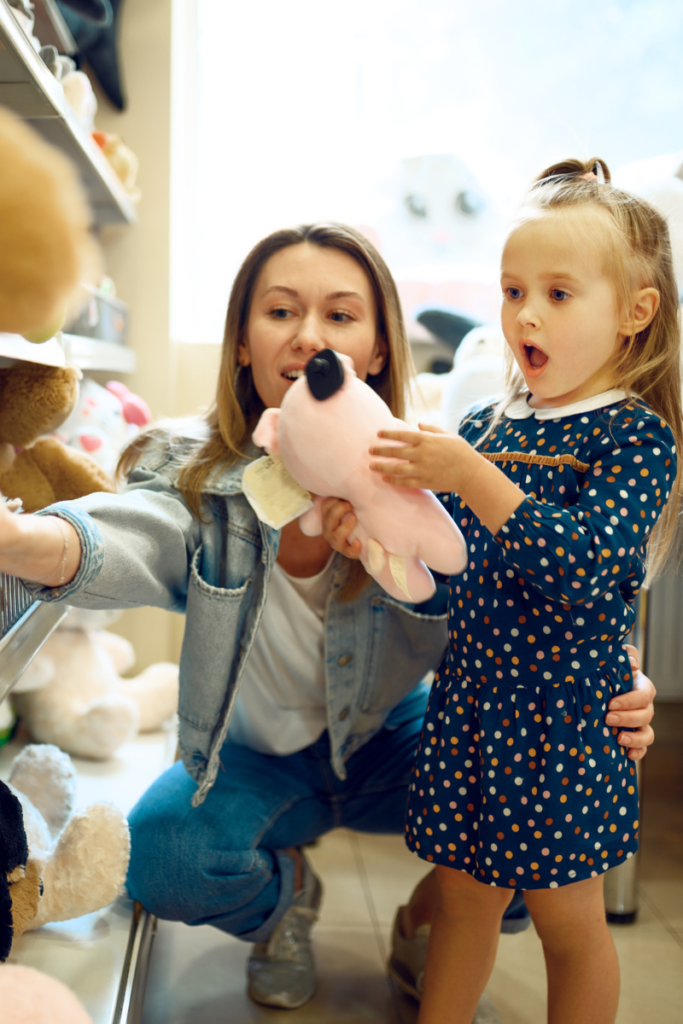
(637, 248)
(221, 437)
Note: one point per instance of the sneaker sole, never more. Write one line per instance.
(399, 973)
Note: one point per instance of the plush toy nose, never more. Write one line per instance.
(325, 374)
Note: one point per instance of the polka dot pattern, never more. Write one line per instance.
(517, 780)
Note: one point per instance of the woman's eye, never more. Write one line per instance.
(340, 318)
(558, 295)
(513, 293)
(279, 313)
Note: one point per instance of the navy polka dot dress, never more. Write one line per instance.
(517, 780)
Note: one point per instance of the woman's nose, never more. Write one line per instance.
(310, 335)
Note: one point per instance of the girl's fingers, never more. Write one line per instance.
(392, 452)
(431, 429)
(410, 436)
(399, 469)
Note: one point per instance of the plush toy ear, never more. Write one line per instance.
(265, 435)
(13, 857)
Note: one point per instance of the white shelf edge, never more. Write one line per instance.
(90, 354)
(69, 350)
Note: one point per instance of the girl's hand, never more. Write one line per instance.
(429, 459)
(634, 710)
(338, 522)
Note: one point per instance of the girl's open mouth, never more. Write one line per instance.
(535, 358)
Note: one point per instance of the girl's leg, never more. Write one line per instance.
(462, 946)
(582, 965)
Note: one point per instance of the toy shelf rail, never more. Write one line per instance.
(29, 89)
(87, 354)
(25, 625)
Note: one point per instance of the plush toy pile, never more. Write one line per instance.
(57, 863)
(323, 431)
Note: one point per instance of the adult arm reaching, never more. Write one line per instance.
(40, 549)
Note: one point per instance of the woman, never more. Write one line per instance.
(301, 702)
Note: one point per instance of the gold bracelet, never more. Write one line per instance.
(62, 565)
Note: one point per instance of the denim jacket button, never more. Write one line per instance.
(344, 713)
(376, 601)
(345, 659)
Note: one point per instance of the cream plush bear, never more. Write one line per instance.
(78, 858)
(72, 693)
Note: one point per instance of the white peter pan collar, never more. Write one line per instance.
(519, 408)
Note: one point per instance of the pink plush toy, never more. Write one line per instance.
(323, 431)
(28, 996)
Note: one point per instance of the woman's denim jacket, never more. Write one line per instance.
(145, 547)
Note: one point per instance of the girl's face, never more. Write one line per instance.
(560, 313)
(308, 298)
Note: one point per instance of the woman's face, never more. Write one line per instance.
(308, 298)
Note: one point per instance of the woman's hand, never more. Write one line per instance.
(338, 521)
(634, 710)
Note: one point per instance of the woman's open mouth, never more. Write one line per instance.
(535, 358)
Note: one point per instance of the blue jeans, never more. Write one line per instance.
(222, 863)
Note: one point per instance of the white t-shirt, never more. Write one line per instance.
(281, 706)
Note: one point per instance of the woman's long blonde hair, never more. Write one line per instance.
(222, 438)
(637, 248)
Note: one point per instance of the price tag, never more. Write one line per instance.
(273, 493)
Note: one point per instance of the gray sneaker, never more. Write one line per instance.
(281, 971)
(407, 964)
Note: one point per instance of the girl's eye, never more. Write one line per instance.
(513, 293)
(558, 295)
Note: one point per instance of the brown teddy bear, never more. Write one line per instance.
(46, 248)
(34, 400)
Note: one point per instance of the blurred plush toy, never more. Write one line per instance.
(103, 421)
(34, 400)
(28, 996)
(72, 693)
(323, 431)
(57, 864)
(45, 245)
(478, 374)
(122, 159)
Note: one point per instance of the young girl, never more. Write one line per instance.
(561, 491)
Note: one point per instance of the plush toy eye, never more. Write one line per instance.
(416, 205)
(325, 374)
(469, 203)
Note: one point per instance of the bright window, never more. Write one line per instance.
(288, 112)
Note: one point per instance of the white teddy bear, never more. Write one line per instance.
(73, 695)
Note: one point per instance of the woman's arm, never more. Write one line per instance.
(40, 549)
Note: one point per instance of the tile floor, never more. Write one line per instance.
(197, 975)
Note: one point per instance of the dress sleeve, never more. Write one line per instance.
(576, 554)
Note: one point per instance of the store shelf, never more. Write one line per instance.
(90, 354)
(29, 89)
(87, 354)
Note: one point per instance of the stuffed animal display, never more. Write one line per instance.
(323, 431)
(72, 693)
(103, 421)
(45, 244)
(57, 864)
(34, 400)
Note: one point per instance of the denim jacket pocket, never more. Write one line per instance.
(208, 657)
(404, 646)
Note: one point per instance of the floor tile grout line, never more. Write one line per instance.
(660, 916)
(374, 917)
